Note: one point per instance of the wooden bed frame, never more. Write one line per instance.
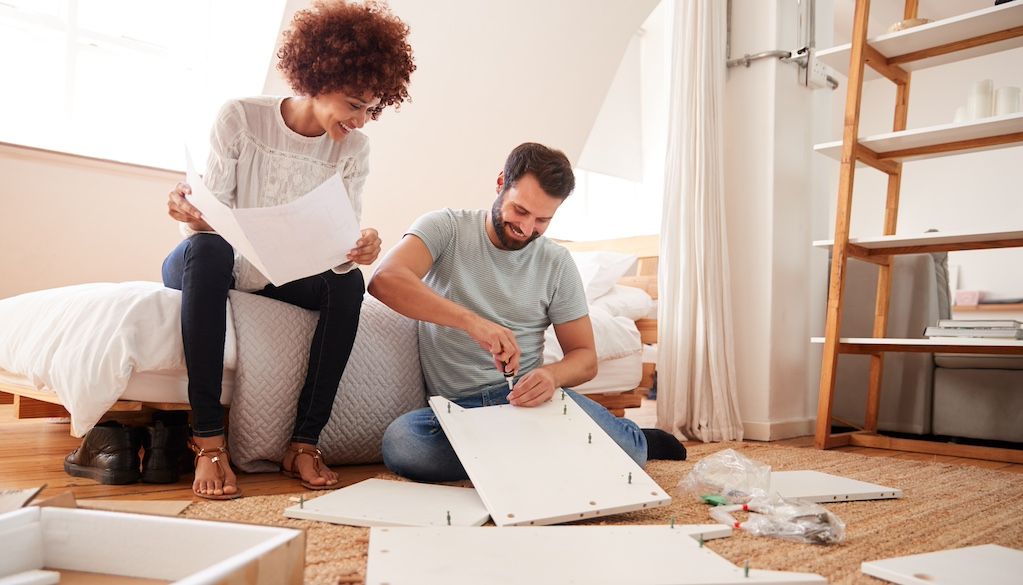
(646, 249)
(32, 403)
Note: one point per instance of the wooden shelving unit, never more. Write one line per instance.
(977, 33)
(894, 56)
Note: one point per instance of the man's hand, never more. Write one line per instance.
(181, 210)
(534, 388)
(499, 341)
(367, 247)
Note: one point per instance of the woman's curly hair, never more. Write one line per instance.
(342, 46)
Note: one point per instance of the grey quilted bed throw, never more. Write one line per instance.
(382, 381)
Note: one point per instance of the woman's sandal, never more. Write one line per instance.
(317, 456)
(215, 457)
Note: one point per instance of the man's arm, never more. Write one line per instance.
(579, 365)
(398, 283)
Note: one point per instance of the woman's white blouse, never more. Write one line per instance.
(257, 161)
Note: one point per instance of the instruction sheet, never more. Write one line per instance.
(307, 236)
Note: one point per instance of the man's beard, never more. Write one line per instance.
(497, 218)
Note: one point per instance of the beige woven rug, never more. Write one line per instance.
(943, 506)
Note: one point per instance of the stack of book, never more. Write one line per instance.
(988, 329)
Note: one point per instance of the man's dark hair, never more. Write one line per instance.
(550, 167)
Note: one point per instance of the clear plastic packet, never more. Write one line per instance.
(788, 519)
(727, 477)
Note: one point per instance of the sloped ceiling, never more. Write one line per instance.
(490, 76)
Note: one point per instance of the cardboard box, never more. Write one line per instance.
(140, 546)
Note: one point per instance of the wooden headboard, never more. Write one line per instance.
(646, 249)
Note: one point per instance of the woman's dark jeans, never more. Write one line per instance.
(201, 268)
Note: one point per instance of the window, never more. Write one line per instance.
(620, 173)
(127, 80)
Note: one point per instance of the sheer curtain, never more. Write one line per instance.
(696, 395)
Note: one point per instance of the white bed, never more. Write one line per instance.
(86, 347)
(93, 348)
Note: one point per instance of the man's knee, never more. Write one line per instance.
(415, 447)
(399, 447)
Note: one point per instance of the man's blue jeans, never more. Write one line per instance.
(414, 445)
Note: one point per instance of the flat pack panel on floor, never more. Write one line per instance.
(546, 464)
(824, 487)
(379, 502)
(990, 564)
(558, 554)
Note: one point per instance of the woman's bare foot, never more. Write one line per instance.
(214, 477)
(305, 462)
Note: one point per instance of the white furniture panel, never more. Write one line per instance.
(824, 487)
(379, 502)
(546, 464)
(558, 554)
(990, 564)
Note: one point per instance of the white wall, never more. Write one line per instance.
(768, 170)
(749, 171)
(68, 220)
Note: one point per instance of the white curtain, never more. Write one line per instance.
(696, 390)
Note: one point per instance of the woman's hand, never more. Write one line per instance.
(181, 210)
(367, 248)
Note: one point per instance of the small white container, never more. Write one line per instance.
(1006, 100)
(960, 115)
(979, 102)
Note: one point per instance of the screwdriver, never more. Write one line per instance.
(508, 376)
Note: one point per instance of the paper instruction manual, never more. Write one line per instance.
(307, 236)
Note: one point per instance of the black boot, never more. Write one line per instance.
(109, 454)
(167, 454)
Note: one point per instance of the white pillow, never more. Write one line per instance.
(625, 301)
(601, 270)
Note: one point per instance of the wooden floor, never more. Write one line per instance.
(32, 453)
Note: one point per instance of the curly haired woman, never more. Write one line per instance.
(346, 62)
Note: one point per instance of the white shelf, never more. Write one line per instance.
(934, 136)
(951, 240)
(936, 34)
(963, 341)
(936, 345)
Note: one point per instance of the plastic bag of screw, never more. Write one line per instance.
(727, 477)
(785, 518)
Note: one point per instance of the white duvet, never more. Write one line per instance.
(85, 341)
(614, 337)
